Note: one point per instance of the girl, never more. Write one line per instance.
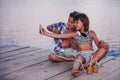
(84, 42)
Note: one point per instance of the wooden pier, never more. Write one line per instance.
(29, 63)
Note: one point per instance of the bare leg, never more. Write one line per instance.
(57, 58)
(99, 54)
(77, 65)
(85, 65)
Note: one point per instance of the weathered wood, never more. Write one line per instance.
(40, 71)
(10, 48)
(27, 63)
(106, 69)
(10, 70)
(1, 46)
(115, 75)
(63, 76)
(67, 75)
(20, 53)
(23, 61)
(16, 52)
(18, 58)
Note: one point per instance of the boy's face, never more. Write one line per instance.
(70, 23)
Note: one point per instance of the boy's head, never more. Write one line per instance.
(71, 22)
(61, 27)
(83, 18)
(73, 14)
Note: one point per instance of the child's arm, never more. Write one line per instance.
(53, 35)
(95, 38)
(100, 43)
(50, 28)
(67, 43)
(73, 44)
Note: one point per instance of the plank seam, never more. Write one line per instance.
(24, 68)
(58, 73)
(15, 49)
(18, 53)
(109, 73)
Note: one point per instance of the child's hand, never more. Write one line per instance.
(104, 44)
(42, 31)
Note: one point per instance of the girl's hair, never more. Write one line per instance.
(84, 18)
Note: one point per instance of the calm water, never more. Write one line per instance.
(19, 20)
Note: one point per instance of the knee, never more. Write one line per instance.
(80, 58)
(106, 46)
(52, 57)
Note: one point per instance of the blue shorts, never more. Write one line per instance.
(86, 54)
(68, 52)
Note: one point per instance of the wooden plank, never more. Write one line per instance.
(1, 46)
(35, 66)
(18, 58)
(16, 52)
(22, 58)
(10, 48)
(22, 66)
(106, 69)
(115, 75)
(22, 62)
(40, 71)
(63, 76)
(67, 75)
(106, 59)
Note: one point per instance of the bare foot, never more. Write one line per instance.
(75, 72)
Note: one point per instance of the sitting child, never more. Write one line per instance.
(63, 47)
(84, 42)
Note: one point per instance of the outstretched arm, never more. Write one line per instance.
(53, 35)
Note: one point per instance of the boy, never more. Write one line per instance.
(64, 47)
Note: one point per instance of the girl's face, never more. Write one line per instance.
(79, 25)
(70, 23)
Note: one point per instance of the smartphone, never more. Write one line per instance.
(40, 28)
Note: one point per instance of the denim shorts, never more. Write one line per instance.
(86, 54)
(68, 52)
